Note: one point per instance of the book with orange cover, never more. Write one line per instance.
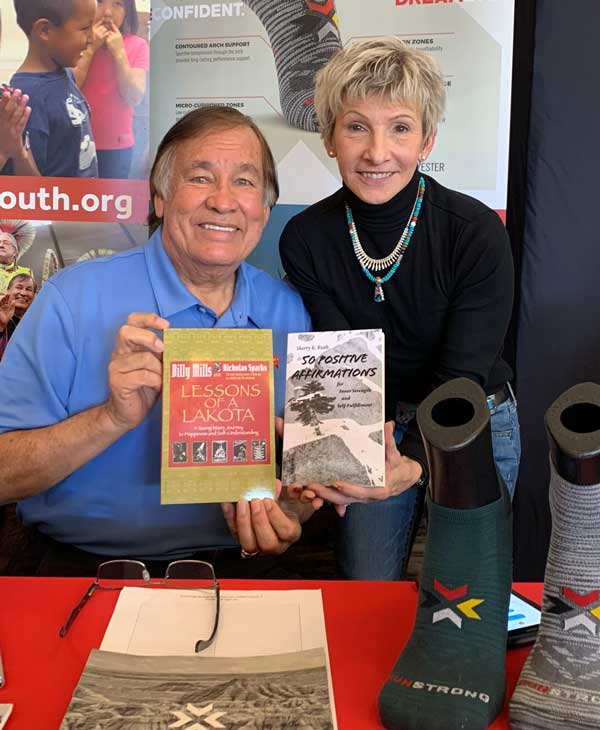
(218, 416)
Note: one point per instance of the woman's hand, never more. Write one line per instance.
(400, 474)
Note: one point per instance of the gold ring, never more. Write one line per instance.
(245, 554)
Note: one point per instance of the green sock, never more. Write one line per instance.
(451, 673)
(559, 686)
(304, 35)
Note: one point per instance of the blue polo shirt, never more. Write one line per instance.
(56, 366)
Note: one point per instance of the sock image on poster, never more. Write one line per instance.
(304, 34)
(451, 673)
(559, 686)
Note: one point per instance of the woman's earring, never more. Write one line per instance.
(331, 153)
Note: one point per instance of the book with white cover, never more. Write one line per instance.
(334, 408)
(124, 691)
(252, 623)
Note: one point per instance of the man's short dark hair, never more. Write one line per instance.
(28, 11)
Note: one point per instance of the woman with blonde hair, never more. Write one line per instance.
(394, 249)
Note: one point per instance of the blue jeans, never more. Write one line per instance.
(376, 539)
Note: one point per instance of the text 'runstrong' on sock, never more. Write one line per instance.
(304, 35)
(451, 673)
(559, 686)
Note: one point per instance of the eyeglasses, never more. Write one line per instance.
(188, 574)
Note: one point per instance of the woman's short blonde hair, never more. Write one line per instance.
(384, 67)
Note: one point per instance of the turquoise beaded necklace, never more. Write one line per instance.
(395, 258)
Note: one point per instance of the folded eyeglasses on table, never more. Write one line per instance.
(188, 574)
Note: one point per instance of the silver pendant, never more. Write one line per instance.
(378, 295)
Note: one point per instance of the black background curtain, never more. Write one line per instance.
(555, 338)
(523, 50)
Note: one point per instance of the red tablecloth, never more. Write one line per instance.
(367, 625)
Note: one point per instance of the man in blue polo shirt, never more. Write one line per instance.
(79, 420)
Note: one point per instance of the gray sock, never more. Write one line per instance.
(559, 686)
(304, 34)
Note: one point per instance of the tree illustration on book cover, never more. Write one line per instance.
(334, 408)
(311, 402)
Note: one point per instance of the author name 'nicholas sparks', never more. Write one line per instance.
(205, 370)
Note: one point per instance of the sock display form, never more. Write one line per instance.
(451, 673)
(304, 35)
(559, 686)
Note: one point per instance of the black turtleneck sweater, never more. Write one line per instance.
(447, 307)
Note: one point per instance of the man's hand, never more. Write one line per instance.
(135, 370)
(400, 474)
(7, 310)
(14, 114)
(266, 525)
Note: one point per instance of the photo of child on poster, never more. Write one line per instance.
(111, 74)
(80, 75)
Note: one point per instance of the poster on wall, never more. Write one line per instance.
(261, 57)
(73, 177)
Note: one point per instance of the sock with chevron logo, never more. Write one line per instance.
(559, 686)
(451, 673)
(304, 34)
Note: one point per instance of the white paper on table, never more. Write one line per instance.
(155, 622)
(168, 622)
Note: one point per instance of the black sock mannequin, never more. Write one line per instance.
(468, 553)
(455, 425)
(573, 431)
